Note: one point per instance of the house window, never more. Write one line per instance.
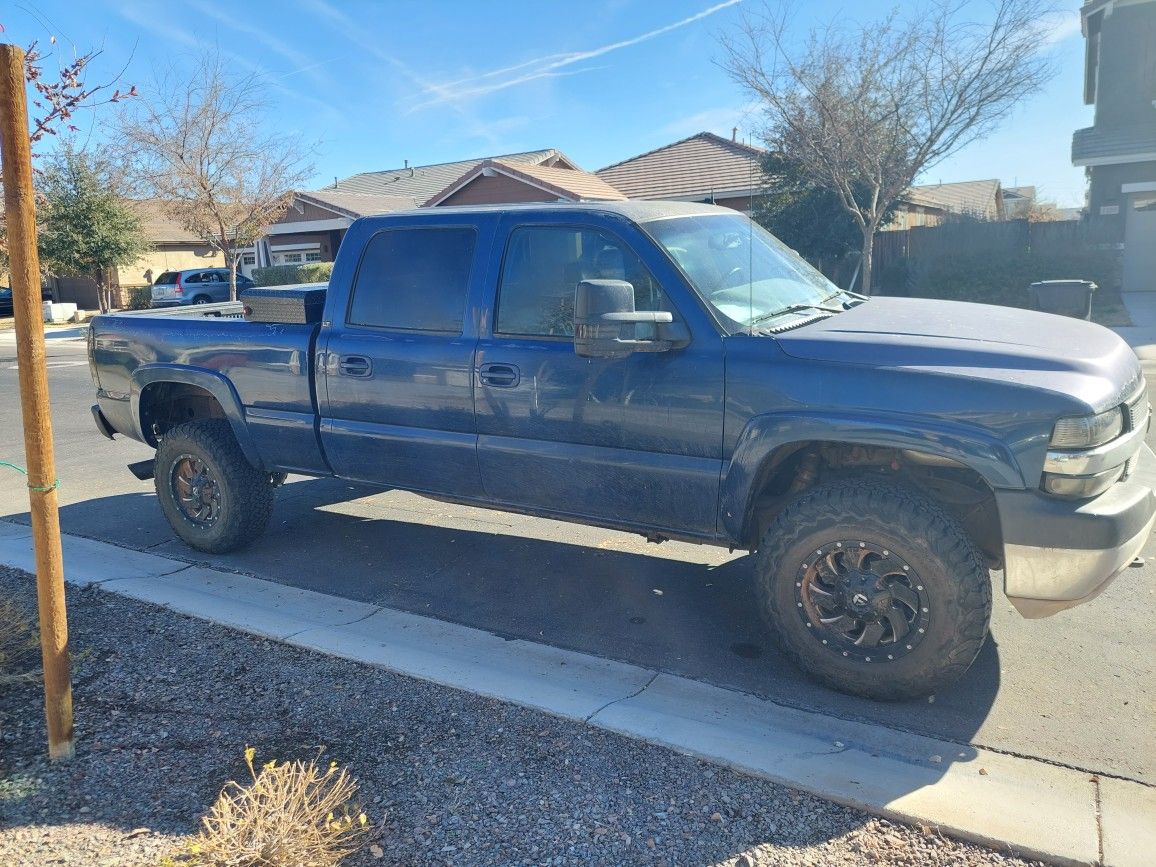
(248, 259)
(313, 257)
(291, 258)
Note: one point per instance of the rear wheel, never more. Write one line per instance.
(873, 589)
(202, 299)
(213, 498)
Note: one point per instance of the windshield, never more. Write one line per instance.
(742, 270)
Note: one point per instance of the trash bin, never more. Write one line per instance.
(1066, 297)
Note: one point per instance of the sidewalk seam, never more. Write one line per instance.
(1099, 819)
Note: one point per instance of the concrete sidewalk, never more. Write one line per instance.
(1141, 335)
(1004, 801)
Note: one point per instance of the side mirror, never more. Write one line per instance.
(606, 325)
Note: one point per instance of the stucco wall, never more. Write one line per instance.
(497, 190)
(167, 257)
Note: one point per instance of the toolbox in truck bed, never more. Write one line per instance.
(287, 305)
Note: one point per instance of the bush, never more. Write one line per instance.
(291, 814)
(1003, 277)
(286, 275)
(140, 297)
(19, 644)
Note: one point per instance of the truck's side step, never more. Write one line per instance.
(143, 470)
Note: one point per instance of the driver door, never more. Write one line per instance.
(632, 441)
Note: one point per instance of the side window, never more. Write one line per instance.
(195, 278)
(414, 279)
(545, 264)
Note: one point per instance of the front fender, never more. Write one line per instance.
(211, 381)
(764, 434)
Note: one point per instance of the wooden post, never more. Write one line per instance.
(20, 213)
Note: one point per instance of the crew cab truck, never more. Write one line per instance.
(673, 370)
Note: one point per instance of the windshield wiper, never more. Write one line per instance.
(797, 308)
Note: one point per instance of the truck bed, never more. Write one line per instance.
(266, 367)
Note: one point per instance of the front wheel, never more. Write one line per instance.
(873, 589)
(213, 498)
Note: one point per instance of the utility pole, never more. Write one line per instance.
(20, 213)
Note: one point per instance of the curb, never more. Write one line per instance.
(1005, 802)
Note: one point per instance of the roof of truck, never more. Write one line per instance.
(635, 209)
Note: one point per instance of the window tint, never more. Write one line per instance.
(169, 278)
(545, 264)
(414, 279)
(198, 277)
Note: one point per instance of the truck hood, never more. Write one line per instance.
(1066, 356)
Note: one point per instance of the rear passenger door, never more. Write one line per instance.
(397, 369)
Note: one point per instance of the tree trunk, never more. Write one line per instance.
(865, 262)
(102, 295)
(231, 261)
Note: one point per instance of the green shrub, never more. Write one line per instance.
(140, 297)
(286, 275)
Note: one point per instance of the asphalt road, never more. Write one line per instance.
(1077, 689)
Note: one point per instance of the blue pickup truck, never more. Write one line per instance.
(673, 370)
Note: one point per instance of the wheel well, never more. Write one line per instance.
(164, 405)
(796, 467)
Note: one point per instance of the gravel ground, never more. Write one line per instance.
(165, 706)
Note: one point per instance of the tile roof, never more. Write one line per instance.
(159, 225)
(356, 205)
(569, 184)
(419, 183)
(966, 197)
(696, 166)
(1099, 143)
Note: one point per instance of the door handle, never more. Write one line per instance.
(499, 375)
(355, 365)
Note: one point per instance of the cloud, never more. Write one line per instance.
(544, 67)
(1060, 26)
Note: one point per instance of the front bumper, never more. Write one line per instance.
(1061, 553)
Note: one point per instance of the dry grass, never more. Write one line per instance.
(292, 814)
(19, 644)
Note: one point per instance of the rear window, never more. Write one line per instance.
(168, 278)
(414, 279)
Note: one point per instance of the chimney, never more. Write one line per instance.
(734, 133)
(407, 164)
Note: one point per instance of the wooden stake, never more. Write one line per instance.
(20, 213)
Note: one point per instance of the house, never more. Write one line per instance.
(1118, 151)
(1018, 202)
(173, 248)
(312, 227)
(701, 168)
(932, 204)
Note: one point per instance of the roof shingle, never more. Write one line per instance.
(698, 166)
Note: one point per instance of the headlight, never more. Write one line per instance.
(1088, 431)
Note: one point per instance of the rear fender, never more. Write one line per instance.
(766, 434)
(211, 381)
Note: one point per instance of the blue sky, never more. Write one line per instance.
(378, 83)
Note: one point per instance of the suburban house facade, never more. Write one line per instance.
(932, 204)
(700, 168)
(312, 227)
(1119, 150)
(173, 248)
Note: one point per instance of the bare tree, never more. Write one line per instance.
(197, 146)
(864, 108)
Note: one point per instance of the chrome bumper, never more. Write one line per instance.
(1041, 577)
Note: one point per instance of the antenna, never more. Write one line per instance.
(751, 245)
